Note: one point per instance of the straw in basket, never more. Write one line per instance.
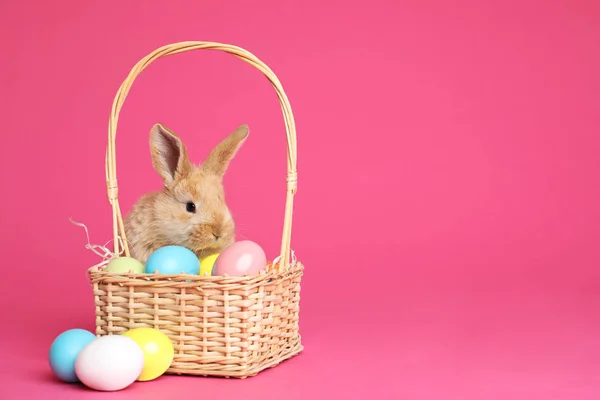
(219, 326)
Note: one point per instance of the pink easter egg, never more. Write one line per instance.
(110, 363)
(241, 258)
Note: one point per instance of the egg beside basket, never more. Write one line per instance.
(226, 326)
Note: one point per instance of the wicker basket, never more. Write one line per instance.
(219, 326)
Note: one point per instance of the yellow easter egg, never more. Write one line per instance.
(157, 348)
(207, 264)
(125, 264)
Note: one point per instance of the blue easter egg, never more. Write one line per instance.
(173, 260)
(64, 351)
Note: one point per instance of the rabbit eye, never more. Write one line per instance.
(190, 207)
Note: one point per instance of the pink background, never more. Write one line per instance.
(449, 183)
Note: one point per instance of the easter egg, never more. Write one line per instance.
(64, 351)
(173, 260)
(125, 264)
(241, 258)
(158, 351)
(207, 264)
(110, 363)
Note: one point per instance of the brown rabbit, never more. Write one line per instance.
(190, 210)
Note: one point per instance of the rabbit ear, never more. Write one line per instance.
(169, 155)
(218, 160)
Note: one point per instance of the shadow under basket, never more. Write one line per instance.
(219, 326)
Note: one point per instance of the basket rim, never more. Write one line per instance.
(99, 273)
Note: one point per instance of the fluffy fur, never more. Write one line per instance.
(161, 218)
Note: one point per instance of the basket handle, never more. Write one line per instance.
(180, 47)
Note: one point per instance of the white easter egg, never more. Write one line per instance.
(110, 363)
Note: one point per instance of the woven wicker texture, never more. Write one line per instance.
(219, 326)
